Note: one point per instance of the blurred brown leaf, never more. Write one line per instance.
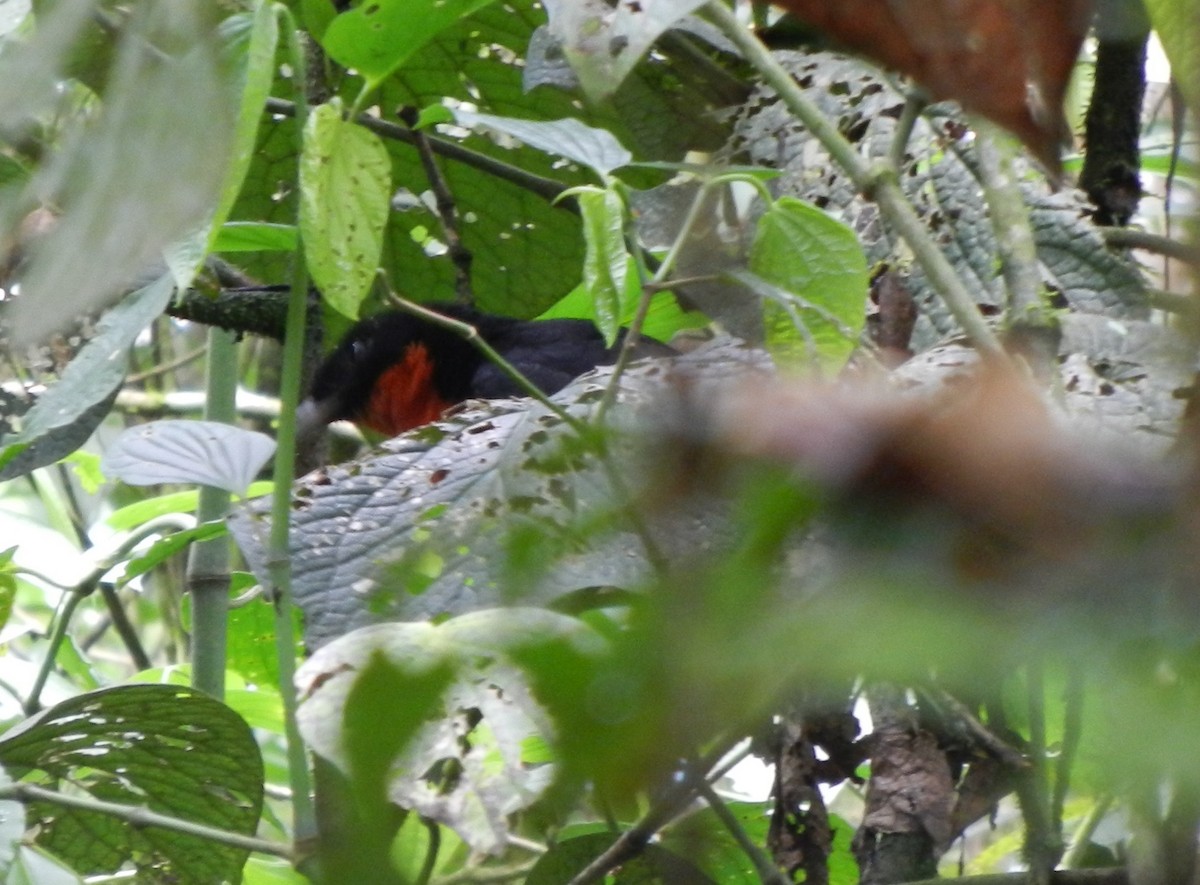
(1008, 60)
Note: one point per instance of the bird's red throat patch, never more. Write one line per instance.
(404, 396)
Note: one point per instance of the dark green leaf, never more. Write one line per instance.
(170, 749)
(8, 585)
(345, 188)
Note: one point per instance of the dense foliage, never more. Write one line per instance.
(907, 526)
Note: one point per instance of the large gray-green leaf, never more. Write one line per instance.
(66, 414)
(937, 176)
(167, 748)
(438, 521)
(474, 739)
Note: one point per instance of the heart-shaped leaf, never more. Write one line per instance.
(201, 452)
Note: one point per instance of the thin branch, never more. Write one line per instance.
(768, 873)
(1072, 733)
(1010, 224)
(471, 335)
(547, 188)
(137, 816)
(447, 213)
(878, 181)
(915, 101)
(85, 588)
(1132, 238)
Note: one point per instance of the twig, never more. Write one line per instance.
(547, 188)
(170, 366)
(1043, 846)
(1082, 837)
(987, 738)
(878, 182)
(139, 817)
(1132, 238)
(768, 873)
(447, 214)
(1010, 224)
(124, 627)
(915, 101)
(471, 335)
(85, 588)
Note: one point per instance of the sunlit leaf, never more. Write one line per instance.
(248, 236)
(202, 452)
(376, 37)
(605, 264)
(598, 149)
(816, 306)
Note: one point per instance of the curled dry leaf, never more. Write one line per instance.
(1008, 60)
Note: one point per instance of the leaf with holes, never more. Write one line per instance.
(345, 188)
(458, 761)
(203, 452)
(425, 526)
(170, 749)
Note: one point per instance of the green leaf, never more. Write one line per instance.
(378, 36)
(164, 548)
(251, 641)
(117, 744)
(317, 15)
(250, 236)
(86, 467)
(66, 414)
(140, 512)
(253, 37)
(8, 584)
(1177, 22)
(345, 188)
(596, 148)
(664, 318)
(606, 260)
(34, 867)
(816, 284)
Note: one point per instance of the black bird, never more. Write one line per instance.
(395, 371)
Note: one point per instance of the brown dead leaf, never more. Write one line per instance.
(1008, 60)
